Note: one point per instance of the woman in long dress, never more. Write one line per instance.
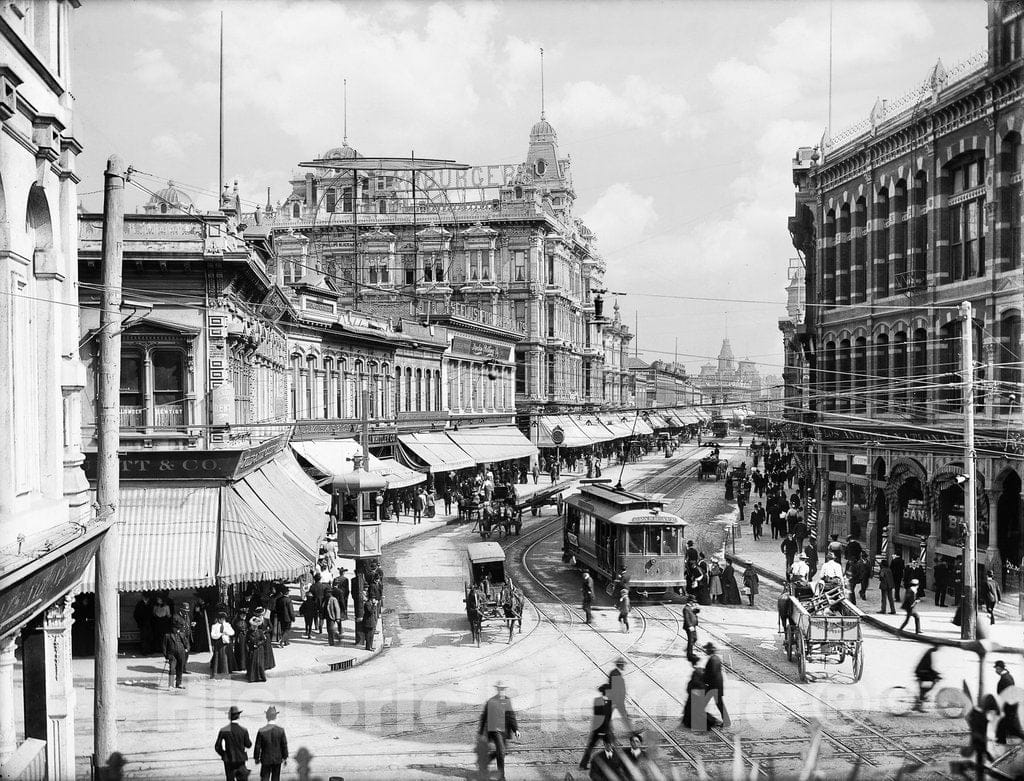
(257, 640)
(730, 591)
(751, 581)
(703, 582)
(220, 635)
(240, 648)
(715, 585)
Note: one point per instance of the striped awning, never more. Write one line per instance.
(658, 422)
(618, 428)
(493, 443)
(251, 544)
(337, 457)
(435, 451)
(643, 427)
(574, 433)
(177, 535)
(168, 537)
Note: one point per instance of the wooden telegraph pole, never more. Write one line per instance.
(108, 477)
(969, 602)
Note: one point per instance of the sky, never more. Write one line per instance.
(681, 118)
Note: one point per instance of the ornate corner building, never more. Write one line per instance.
(898, 220)
(498, 245)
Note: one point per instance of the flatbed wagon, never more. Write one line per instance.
(821, 627)
(490, 597)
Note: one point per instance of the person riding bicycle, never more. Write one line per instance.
(927, 677)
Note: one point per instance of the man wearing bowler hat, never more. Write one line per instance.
(714, 681)
(271, 749)
(232, 742)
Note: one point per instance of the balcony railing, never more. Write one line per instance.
(28, 762)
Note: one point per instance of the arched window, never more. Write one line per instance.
(1010, 373)
(880, 373)
(881, 282)
(828, 268)
(920, 370)
(296, 210)
(859, 271)
(949, 366)
(843, 256)
(295, 397)
(860, 374)
(308, 400)
(900, 246)
(419, 390)
(1010, 196)
(408, 389)
(918, 264)
(967, 224)
(845, 375)
(899, 371)
(325, 393)
(829, 385)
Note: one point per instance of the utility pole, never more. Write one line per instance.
(108, 474)
(220, 130)
(969, 602)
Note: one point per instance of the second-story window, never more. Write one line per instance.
(967, 220)
(296, 210)
(551, 321)
(331, 199)
(519, 261)
(377, 269)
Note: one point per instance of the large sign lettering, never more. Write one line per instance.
(477, 349)
(479, 177)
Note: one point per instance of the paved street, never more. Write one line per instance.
(413, 710)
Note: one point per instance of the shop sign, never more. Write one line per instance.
(42, 588)
(476, 349)
(254, 456)
(915, 518)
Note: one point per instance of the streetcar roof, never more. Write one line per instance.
(483, 552)
(616, 496)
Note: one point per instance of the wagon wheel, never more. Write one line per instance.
(801, 657)
(858, 662)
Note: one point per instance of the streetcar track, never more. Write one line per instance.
(693, 761)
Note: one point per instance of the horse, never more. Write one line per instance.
(784, 607)
(473, 613)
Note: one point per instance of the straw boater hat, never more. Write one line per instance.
(500, 686)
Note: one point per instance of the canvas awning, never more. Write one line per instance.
(177, 534)
(493, 443)
(618, 428)
(575, 435)
(658, 422)
(595, 430)
(337, 457)
(435, 451)
(643, 427)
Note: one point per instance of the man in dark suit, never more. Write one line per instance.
(371, 612)
(897, 565)
(714, 681)
(690, 622)
(232, 742)
(319, 592)
(600, 725)
(175, 648)
(498, 722)
(271, 749)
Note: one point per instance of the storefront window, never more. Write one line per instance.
(859, 511)
(915, 518)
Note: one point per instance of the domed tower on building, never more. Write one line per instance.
(169, 200)
(726, 358)
(550, 173)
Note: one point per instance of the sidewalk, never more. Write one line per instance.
(314, 655)
(936, 622)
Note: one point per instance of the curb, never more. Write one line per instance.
(877, 623)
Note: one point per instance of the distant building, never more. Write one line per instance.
(729, 383)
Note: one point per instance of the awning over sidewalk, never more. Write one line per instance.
(575, 435)
(337, 457)
(435, 451)
(178, 534)
(618, 428)
(595, 430)
(658, 422)
(494, 443)
(643, 427)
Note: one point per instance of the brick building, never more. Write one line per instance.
(899, 219)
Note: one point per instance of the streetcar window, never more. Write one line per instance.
(670, 540)
(653, 540)
(572, 523)
(636, 540)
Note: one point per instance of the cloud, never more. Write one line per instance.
(738, 83)
(153, 70)
(634, 103)
(620, 216)
(159, 12)
(176, 146)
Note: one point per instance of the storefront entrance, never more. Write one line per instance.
(1009, 520)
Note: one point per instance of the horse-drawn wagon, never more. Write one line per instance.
(820, 626)
(490, 597)
(709, 469)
